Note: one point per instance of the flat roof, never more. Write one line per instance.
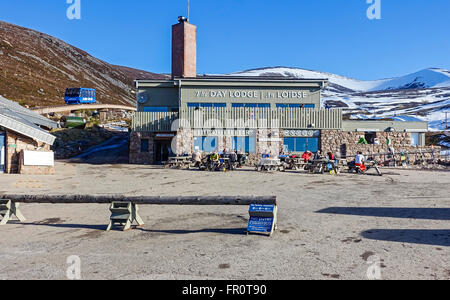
(235, 80)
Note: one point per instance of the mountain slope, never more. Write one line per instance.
(424, 94)
(35, 69)
(429, 78)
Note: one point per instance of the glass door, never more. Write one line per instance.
(2, 152)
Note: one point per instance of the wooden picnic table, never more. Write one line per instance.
(179, 161)
(270, 164)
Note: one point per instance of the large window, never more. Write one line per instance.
(244, 143)
(296, 105)
(206, 104)
(160, 109)
(205, 143)
(300, 144)
(250, 105)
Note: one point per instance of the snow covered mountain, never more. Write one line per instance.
(424, 95)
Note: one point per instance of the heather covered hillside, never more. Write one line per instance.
(36, 68)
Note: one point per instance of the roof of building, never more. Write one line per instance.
(27, 113)
(24, 121)
(246, 78)
(236, 80)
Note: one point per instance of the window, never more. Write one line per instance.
(2, 151)
(144, 145)
(205, 143)
(160, 109)
(296, 105)
(301, 144)
(250, 105)
(415, 141)
(244, 143)
(211, 104)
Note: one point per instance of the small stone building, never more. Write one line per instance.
(24, 143)
(251, 114)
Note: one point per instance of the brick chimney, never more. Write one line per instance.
(184, 49)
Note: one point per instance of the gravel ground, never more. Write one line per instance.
(330, 227)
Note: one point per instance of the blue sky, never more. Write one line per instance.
(233, 35)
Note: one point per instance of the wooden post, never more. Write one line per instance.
(9, 209)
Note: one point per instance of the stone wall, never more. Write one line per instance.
(184, 142)
(15, 145)
(267, 141)
(345, 144)
(136, 156)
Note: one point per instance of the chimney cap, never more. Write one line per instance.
(182, 19)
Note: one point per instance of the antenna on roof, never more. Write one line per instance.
(189, 9)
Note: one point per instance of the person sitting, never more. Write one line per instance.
(331, 156)
(318, 155)
(307, 156)
(282, 155)
(359, 161)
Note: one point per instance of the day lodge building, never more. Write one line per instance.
(251, 114)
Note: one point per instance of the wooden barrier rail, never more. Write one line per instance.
(107, 199)
(124, 209)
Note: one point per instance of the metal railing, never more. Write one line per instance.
(418, 156)
(283, 118)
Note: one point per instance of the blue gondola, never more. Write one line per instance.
(80, 96)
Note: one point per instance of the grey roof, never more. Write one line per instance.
(27, 114)
(237, 78)
(24, 121)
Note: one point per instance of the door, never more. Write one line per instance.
(162, 151)
(2, 152)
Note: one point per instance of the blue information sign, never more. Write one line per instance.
(258, 224)
(262, 218)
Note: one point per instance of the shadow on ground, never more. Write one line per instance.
(391, 212)
(235, 231)
(414, 236)
(72, 226)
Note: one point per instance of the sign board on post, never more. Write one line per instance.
(263, 219)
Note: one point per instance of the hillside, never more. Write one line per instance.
(35, 69)
(424, 95)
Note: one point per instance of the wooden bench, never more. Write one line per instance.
(124, 209)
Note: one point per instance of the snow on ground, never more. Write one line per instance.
(428, 78)
(424, 95)
(353, 84)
